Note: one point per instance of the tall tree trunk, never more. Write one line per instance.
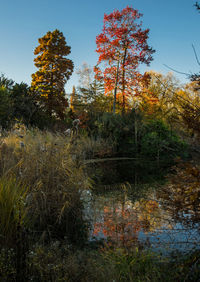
(136, 133)
(115, 89)
(123, 81)
(50, 96)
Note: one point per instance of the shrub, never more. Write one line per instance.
(158, 142)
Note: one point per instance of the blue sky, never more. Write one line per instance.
(174, 27)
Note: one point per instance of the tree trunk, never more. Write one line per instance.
(123, 81)
(136, 133)
(115, 89)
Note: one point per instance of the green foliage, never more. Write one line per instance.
(6, 82)
(133, 265)
(93, 98)
(61, 262)
(57, 262)
(110, 125)
(24, 105)
(5, 107)
(26, 109)
(19, 103)
(13, 210)
(158, 142)
(134, 136)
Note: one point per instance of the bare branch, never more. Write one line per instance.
(176, 70)
(177, 95)
(195, 53)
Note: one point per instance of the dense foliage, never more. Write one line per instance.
(122, 46)
(115, 114)
(54, 69)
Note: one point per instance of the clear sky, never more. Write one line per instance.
(174, 27)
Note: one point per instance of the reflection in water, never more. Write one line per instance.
(145, 222)
(166, 219)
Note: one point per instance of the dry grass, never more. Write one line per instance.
(44, 162)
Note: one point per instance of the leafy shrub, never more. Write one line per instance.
(134, 136)
(158, 142)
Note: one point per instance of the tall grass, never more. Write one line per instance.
(13, 210)
(42, 225)
(46, 165)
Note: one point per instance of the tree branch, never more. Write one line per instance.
(195, 53)
(176, 70)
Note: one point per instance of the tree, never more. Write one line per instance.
(5, 107)
(88, 101)
(6, 82)
(122, 46)
(159, 96)
(54, 71)
(86, 75)
(24, 104)
(72, 98)
(93, 98)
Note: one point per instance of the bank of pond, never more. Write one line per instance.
(67, 214)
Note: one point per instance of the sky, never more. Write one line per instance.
(173, 24)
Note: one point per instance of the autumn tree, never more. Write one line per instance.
(122, 47)
(54, 69)
(190, 108)
(159, 96)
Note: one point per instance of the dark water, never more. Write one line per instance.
(130, 204)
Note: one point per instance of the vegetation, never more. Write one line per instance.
(57, 160)
(123, 46)
(54, 71)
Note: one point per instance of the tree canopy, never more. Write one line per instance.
(122, 46)
(54, 69)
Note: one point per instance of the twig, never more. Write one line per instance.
(195, 53)
(176, 70)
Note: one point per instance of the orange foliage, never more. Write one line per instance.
(122, 42)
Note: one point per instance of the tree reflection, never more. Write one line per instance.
(121, 220)
(170, 215)
(181, 196)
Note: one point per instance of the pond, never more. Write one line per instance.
(130, 205)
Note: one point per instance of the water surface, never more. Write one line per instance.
(130, 205)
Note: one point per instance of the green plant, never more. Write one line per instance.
(13, 210)
(158, 142)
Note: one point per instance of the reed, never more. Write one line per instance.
(46, 164)
(13, 210)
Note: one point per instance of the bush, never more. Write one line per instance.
(159, 143)
(134, 136)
